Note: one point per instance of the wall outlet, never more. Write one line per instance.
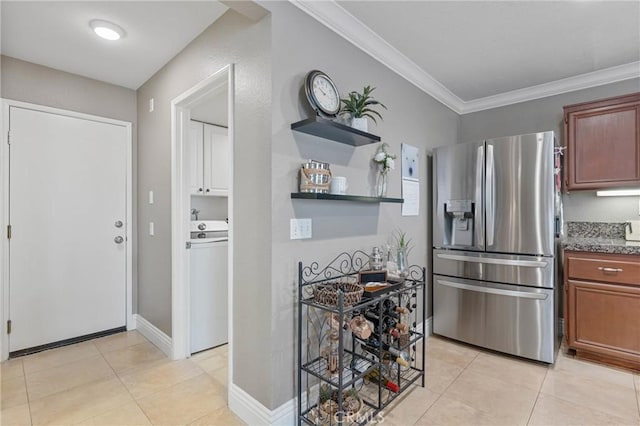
(300, 229)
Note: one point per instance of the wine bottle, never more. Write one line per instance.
(388, 353)
(374, 376)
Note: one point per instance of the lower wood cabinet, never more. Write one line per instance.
(602, 307)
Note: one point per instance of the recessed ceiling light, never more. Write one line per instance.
(107, 30)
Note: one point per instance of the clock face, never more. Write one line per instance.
(322, 93)
(326, 94)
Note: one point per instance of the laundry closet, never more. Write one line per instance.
(209, 160)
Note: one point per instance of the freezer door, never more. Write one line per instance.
(532, 271)
(520, 194)
(458, 209)
(511, 319)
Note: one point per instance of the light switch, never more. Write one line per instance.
(150, 197)
(152, 230)
(300, 229)
(151, 105)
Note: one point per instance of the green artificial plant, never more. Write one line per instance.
(360, 105)
(402, 242)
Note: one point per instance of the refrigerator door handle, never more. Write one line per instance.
(494, 261)
(490, 194)
(479, 207)
(477, 289)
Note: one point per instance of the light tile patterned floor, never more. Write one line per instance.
(124, 380)
(115, 380)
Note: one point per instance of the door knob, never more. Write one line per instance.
(118, 224)
(118, 239)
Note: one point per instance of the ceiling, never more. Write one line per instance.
(470, 55)
(474, 55)
(57, 35)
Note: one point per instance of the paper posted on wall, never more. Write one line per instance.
(411, 196)
(410, 180)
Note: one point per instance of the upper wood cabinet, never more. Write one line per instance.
(603, 143)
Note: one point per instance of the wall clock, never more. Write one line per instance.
(322, 93)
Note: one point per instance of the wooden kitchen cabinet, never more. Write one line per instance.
(603, 143)
(208, 159)
(602, 307)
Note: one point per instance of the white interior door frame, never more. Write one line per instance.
(4, 188)
(180, 214)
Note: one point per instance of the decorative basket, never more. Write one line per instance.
(315, 176)
(327, 294)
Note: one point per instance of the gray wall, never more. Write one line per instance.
(547, 114)
(300, 44)
(231, 39)
(28, 82)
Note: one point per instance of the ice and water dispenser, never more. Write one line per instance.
(458, 223)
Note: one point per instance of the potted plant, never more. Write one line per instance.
(403, 247)
(360, 106)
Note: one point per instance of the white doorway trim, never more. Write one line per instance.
(4, 220)
(180, 214)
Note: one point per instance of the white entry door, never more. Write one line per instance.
(67, 208)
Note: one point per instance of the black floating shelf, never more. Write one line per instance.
(328, 129)
(335, 197)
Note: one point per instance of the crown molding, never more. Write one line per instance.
(570, 84)
(336, 18)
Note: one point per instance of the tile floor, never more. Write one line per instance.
(469, 386)
(124, 380)
(115, 380)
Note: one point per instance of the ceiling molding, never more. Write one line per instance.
(570, 84)
(336, 18)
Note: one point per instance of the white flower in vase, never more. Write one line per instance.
(389, 163)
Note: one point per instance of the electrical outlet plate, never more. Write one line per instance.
(300, 229)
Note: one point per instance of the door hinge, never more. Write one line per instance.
(9, 137)
(8, 232)
(9, 327)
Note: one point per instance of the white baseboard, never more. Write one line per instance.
(153, 334)
(252, 412)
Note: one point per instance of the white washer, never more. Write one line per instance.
(209, 296)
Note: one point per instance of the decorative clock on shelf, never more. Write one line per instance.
(322, 93)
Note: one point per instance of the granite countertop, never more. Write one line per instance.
(601, 245)
(597, 237)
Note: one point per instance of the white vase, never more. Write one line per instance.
(359, 124)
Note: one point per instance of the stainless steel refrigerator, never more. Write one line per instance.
(495, 215)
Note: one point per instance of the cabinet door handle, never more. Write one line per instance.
(614, 270)
(199, 189)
